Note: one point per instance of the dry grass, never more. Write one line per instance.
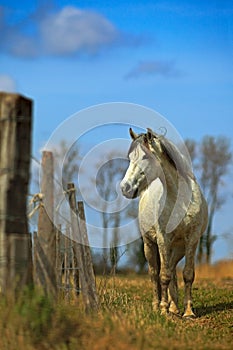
(218, 271)
(125, 320)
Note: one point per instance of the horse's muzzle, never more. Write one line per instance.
(128, 191)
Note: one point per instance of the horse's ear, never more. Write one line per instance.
(150, 134)
(132, 134)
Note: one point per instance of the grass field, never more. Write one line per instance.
(125, 320)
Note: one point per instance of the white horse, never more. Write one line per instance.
(172, 215)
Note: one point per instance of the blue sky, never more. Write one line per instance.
(175, 57)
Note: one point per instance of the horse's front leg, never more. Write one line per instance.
(165, 277)
(153, 259)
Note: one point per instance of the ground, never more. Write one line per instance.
(125, 320)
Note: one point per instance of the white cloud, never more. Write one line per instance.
(7, 84)
(68, 31)
(154, 67)
(72, 30)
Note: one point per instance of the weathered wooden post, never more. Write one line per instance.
(15, 152)
(83, 254)
(45, 252)
(67, 264)
(59, 254)
(75, 269)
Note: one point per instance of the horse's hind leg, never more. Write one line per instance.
(152, 257)
(176, 255)
(188, 275)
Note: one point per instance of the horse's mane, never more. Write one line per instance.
(175, 157)
(169, 150)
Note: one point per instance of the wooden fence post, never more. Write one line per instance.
(45, 255)
(59, 256)
(83, 254)
(15, 152)
(75, 269)
(67, 243)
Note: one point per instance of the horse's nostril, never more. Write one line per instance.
(127, 187)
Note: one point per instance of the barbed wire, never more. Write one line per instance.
(37, 198)
(63, 198)
(39, 163)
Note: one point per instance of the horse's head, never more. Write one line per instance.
(151, 156)
(143, 165)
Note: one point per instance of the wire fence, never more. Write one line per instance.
(50, 258)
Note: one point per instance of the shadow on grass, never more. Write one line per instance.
(203, 311)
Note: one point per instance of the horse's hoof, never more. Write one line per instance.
(174, 310)
(189, 317)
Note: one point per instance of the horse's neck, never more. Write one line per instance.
(164, 203)
(170, 179)
(151, 205)
(165, 185)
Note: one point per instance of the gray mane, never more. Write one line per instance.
(175, 157)
(170, 151)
